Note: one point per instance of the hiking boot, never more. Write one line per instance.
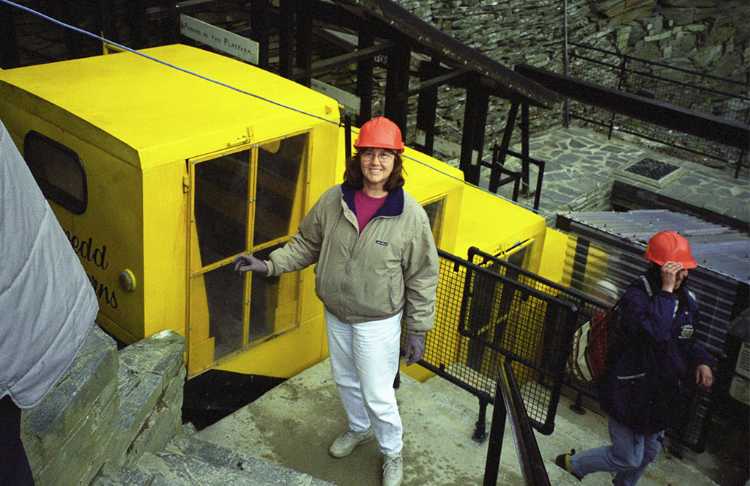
(564, 461)
(348, 441)
(393, 470)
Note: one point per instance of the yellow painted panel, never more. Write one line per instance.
(282, 356)
(107, 236)
(164, 239)
(166, 114)
(553, 255)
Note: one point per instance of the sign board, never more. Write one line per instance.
(348, 100)
(220, 39)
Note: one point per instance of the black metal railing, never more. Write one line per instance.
(725, 98)
(487, 324)
(482, 316)
(509, 401)
(519, 179)
(588, 306)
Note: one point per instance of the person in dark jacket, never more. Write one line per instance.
(660, 357)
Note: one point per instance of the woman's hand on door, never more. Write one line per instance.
(248, 263)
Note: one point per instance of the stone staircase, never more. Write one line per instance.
(188, 460)
(107, 410)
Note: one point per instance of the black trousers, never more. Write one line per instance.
(14, 465)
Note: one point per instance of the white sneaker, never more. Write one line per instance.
(393, 471)
(348, 441)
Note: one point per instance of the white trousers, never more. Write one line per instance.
(364, 362)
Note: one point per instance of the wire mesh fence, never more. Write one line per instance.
(588, 305)
(481, 316)
(724, 98)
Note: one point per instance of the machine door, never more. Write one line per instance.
(246, 200)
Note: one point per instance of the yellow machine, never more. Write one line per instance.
(161, 178)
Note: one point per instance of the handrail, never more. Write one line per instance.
(660, 64)
(532, 465)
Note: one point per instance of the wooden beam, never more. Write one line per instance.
(106, 20)
(510, 124)
(472, 140)
(427, 106)
(396, 83)
(439, 80)
(259, 23)
(325, 65)
(286, 26)
(304, 41)
(364, 77)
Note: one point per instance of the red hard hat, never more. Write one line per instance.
(380, 132)
(670, 246)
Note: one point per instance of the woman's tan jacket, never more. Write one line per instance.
(391, 266)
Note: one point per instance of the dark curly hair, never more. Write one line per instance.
(353, 173)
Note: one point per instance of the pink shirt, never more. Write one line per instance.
(366, 207)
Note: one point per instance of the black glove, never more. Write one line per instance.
(248, 263)
(414, 348)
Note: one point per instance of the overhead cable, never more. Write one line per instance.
(210, 80)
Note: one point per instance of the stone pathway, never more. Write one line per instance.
(582, 164)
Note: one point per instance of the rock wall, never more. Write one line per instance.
(711, 36)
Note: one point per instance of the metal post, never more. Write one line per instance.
(285, 37)
(173, 32)
(525, 148)
(475, 118)
(304, 41)
(259, 24)
(347, 137)
(9, 57)
(364, 77)
(396, 84)
(106, 20)
(70, 14)
(743, 151)
(480, 427)
(497, 431)
(503, 150)
(136, 19)
(566, 63)
(427, 106)
(620, 81)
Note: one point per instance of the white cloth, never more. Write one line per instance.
(364, 361)
(47, 304)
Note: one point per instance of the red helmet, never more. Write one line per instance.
(380, 132)
(670, 246)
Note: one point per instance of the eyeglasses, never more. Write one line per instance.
(382, 155)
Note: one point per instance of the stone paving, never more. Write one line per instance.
(582, 164)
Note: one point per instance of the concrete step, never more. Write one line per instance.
(107, 409)
(188, 460)
(294, 423)
(572, 431)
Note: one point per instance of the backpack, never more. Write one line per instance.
(594, 340)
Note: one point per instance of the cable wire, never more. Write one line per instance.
(164, 63)
(219, 83)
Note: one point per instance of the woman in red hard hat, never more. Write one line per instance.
(659, 357)
(376, 264)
